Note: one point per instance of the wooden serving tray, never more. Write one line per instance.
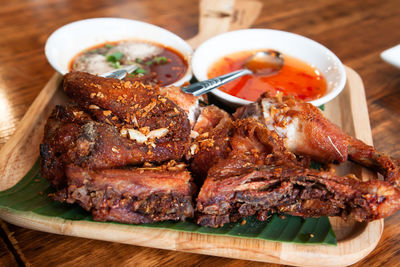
(355, 240)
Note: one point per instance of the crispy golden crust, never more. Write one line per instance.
(71, 136)
(260, 177)
(108, 151)
(259, 190)
(131, 195)
(307, 132)
(60, 136)
(214, 128)
(219, 136)
(114, 123)
(130, 105)
(369, 157)
(188, 102)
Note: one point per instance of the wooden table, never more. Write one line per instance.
(356, 31)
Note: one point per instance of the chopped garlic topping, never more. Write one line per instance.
(140, 138)
(158, 133)
(137, 136)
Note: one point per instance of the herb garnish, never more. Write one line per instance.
(157, 60)
(140, 71)
(115, 65)
(114, 59)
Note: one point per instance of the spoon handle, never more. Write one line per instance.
(206, 86)
(120, 73)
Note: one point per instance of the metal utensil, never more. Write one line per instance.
(264, 63)
(120, 73)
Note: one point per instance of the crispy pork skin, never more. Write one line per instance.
(213, 128)
(112, 123)
(131, 195)
(114, 151)
(137, 111)
(188, 102)
(307, 132)
(260, 177)
(71, 136)
(235, 189)
(302, 126)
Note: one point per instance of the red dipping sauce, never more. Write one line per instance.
(296, 78)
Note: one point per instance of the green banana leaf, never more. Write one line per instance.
(31, 195)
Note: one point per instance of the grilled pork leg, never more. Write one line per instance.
(235, 189)
(213, 129)
(72, 137)
(218, 136)
(307, 132)
(188, 102)
(136, 110)
(261, 176)
(131, 195)
(114, 123)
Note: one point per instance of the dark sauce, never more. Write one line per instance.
(170, 72)
(162, 73)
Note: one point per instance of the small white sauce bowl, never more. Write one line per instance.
(287, 43)
(71, 39)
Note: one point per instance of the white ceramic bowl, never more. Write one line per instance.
(287, 43)
(69, 40)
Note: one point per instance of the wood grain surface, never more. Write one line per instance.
(357, 31)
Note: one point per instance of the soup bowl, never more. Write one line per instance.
(302, 48)
(68, 41)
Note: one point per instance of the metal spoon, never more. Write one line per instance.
(264, 63)
(120, 73)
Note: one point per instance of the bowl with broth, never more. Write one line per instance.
(101, 45)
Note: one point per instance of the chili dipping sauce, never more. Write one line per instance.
(296, 78)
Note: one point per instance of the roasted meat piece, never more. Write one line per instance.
(260, 176)
(213, 129)
(189, 103)
(235, 189)
(114, 123)
(307, 132)
(68, 138)
(304, 129)
(107, 150)
(131, 195)
(136, 110)
(71, 136)
(114, 150)
(218, 135)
